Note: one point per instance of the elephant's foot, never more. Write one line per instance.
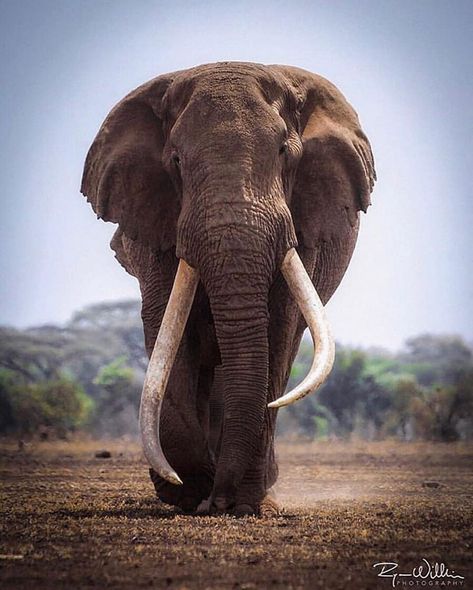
(187, 496)
(204, 508)
(268, 507)
(209, 507)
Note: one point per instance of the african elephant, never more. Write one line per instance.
(238, 186)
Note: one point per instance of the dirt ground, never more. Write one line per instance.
(70, 520)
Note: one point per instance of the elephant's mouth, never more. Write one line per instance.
(170, 335)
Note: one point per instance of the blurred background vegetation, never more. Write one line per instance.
(88, 375)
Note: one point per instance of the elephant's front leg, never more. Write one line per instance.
(182, 432)
(183, 436)
(254, 495)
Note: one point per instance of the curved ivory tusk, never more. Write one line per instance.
(160, 365)
(313, 311)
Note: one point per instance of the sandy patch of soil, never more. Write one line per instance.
(71, 520)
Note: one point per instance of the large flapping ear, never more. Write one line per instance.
(336, 171)
(124, 179)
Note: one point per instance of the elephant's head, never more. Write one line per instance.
(208, 161)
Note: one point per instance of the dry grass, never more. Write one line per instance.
(70, 520)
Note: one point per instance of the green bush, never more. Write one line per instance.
(60, 405)
(117, 399)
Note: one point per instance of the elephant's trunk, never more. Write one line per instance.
(239, 301)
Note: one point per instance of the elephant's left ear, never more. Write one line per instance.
(124, 178)
(337, 164)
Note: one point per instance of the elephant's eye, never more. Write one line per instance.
(176, 160)
(284, 148)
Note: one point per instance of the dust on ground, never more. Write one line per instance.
(71, 520)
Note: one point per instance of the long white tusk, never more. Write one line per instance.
(313, 311)
(160, 365)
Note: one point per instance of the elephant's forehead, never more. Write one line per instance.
(235, 112)
(227, 100)
(228, 83)
(228, 70)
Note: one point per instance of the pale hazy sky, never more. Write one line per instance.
(405, 66)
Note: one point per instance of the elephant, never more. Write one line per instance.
(237, 189)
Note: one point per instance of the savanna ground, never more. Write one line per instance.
(71, 520)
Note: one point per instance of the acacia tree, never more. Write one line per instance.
(440, 411)
(121, 323)
(35, 355)
(344, 388)
(436, 360)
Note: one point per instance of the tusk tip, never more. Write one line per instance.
(174, 478)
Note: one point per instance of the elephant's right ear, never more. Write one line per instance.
(336, 173)
(124, 179)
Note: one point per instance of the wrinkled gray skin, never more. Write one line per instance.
(227, 166)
